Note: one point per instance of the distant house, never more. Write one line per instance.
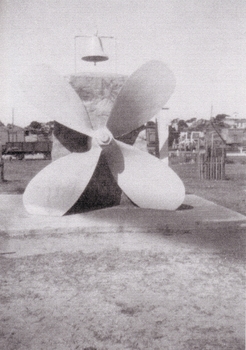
(234, 136)
(3, 135)
(236, 122)
(11, 133)
(188, 140)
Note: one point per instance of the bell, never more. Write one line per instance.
(95, 51)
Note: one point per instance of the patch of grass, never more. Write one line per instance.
(229, 161)
(229, 193)
(18, 173)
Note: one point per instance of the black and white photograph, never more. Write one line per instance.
(122, 174)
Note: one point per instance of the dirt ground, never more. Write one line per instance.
(175, 290)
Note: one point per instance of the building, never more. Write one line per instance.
(235, 122)
(236, 137)
(188, 140)
(11, 133)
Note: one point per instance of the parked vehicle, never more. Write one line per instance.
(20, 149)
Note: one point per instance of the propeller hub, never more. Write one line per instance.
(103, 136)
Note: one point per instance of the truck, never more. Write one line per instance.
(20, 149)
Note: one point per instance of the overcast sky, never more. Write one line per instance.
(202, 41)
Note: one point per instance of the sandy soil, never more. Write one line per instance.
(163, 291)
(180, 290)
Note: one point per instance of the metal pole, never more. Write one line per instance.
(157, 149)
(13, 116)
(116, 57)
(1, 165)
(75, 55)
(75, 49)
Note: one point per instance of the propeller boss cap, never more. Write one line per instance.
(103, 136)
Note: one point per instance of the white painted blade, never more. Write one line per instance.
(55, 98)
(146, 180)
(141, 97)
(162, 121)
(56, 188)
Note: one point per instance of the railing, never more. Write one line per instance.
(212, 164)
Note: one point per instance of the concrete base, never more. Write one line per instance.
(15, 221)
(124, 227)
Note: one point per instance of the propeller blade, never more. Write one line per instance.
(72, 140)
(56, 188)
(146, 180)
(141, 97)
(131, 138)
(55, 98)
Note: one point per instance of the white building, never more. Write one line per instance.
(236, 122)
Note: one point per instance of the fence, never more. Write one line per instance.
(212, 164)
(180, 157)
(1, 165)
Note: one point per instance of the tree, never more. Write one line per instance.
(182, 125)
(220, 117)
(220, 120)
(173, 135)
(191, 120)
(35, 125)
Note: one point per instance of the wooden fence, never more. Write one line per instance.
(212, 164)
(1, 165)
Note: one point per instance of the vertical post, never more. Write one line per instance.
(211, 111)
(202, 166)
(221, 164)
(75, 54)
(216, 168)
(116, 55)
(206, 158)
(213, 166)
(157, 150)
(223, 158)
(13, 116)
(198, 162)
(210, 167)
(1, 165)
(212, 158)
